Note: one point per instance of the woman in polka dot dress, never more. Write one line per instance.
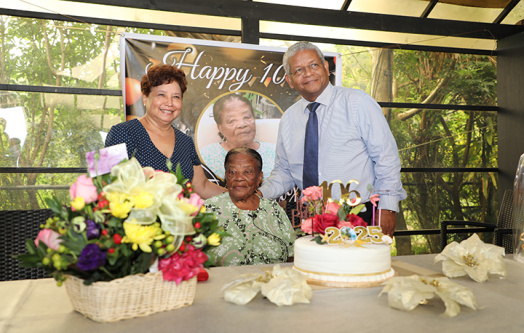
(152, 139)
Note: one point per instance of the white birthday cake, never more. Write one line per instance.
(341, 250)
(343, 265)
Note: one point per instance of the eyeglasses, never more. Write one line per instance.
(313, 67)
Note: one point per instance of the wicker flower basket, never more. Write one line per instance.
(129, 297)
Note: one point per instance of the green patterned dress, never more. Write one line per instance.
(261, 236)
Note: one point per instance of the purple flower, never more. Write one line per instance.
(93, 230)
(91, 257)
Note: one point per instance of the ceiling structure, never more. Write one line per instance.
(471, 26)
(461, 26)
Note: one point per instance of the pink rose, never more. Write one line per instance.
(49, 238)
(196, 201)
(356, 220)
(324, 221)
(374, 199)
(149, 172)
(307, 226)
(341, 224)
(84, 187)
(312, 193)
(332, 208)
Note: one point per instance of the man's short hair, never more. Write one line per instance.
(300, 46)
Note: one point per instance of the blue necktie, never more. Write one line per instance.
(310, 171)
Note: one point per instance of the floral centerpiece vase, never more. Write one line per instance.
(130, 243)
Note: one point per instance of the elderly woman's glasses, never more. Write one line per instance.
(313, 67)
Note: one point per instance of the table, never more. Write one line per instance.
(40, 306)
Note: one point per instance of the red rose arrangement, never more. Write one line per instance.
(338, 214)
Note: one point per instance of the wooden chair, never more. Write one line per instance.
(503, 229)
(15, 227)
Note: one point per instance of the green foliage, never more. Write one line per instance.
(54, 204)
(60, 129)
(34, 255)
(318, 239)
(347, 209)
(438, 138)
(356, 67)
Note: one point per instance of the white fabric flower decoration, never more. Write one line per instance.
(287, 287)
(284, 286)
(244, 288)
(406, 293)
(472, 257)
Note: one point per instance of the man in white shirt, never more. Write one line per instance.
(354, 140)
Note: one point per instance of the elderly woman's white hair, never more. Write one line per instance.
(300, 46)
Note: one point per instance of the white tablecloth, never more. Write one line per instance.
(41, 306)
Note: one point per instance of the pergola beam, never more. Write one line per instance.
(323, 17)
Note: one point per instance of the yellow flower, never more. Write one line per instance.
(203, 209)
(119, 204)
(78, 204)
(214, 239)
(143, 200)
(186, 207)
(115, 196)
(141, 236)
(120, 210)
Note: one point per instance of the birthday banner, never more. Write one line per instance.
(214, 69)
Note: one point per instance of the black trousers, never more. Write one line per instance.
(367, 216)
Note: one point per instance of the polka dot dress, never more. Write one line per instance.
(139, 145)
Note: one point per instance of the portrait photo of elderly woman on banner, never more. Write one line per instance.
(239, 119)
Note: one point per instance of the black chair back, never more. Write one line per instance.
(504, 232)
(15, 227)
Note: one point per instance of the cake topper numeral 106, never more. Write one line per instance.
(345, 192)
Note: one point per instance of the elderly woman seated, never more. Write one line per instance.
(260, 231)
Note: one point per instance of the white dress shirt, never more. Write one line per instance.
(355, 142)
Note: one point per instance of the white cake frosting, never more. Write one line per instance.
(343, 265)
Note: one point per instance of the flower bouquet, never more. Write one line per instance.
(336, 221)
(130, 232)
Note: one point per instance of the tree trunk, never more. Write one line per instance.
(382, 78)
(382, 91)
